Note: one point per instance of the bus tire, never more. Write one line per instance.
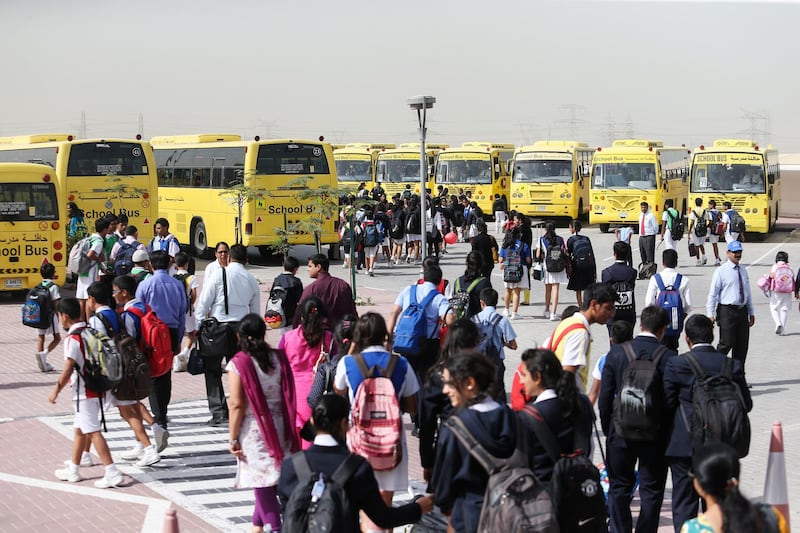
(200, 240)
(604, 228)
(265, 252)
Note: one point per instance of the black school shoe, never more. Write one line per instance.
(217, 422)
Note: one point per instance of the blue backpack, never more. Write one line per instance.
(123, 262)
(487, 344)
(410, 333)
(669, 299)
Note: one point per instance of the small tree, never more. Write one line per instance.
(119, 188)
(280, 244)
(239, 194)
(324, 201)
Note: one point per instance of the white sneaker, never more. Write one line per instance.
(705, 260)
(371, 273)
(40, 361)
(134, 453)
(65, 474)
(149, 457)
(717, 263)
(514, 316)
(110, 480)
(161, 437)
(505, 311)
(698, 263)
(554, 317)
(86, 461)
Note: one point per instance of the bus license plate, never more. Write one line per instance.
(623, 214)
(13, 283)
(541, 208)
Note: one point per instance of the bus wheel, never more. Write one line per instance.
(200, 240)
(265, 252)
(604, 228)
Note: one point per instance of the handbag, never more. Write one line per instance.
(324, 371)
(692, 250)
(216, 338)
(195, 365)
(538, 273)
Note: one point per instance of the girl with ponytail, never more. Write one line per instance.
(558, 402)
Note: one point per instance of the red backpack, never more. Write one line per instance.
(155, 341)
(377, 419)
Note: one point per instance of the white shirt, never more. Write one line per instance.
(548, 394)
(650, 223)
(243, 295)
(129, 239)
(668, 275)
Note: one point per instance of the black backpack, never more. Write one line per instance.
(123, 262)
(701, 224)
(371, 234)
(575, 486)
(582, 253)
(320, 503)
(720, 414)
(414, 225)
(37, 311)
(555, 260)
(136, 380)
(678, 226)
(639, 405)
(738, 224)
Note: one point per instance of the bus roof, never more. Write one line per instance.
(735, 143)
(198, 138)
(480, 145)
(557, 144)
(38, 138)
(428, 146)
(44, 171)
(367, 146)
(644, 143)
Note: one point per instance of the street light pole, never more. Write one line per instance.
(421, 104)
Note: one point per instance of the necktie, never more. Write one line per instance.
(641, 226)
(741, 285)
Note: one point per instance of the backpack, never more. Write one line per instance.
(397, 229)
(187, 279)
(411, 331)
(514, 499)
(414, 225)
(406, 194)
(639, 404)
(123, 263)
(669, 299)
(582, 253)
(486, 344)
(701, 224)
(717, 225)
(163, 244)
(155, 341)
(783, 279)
(318, 502)
(79, 262)
(738, 224)
(377, 427)
(460, 300)
(274, 314)
(102, 367)
(647, 270)
(512, 268)
(37, 310)
(554, 258)
(371, 234)
(677, 227)
(575, 486)
(720, 414)
(136, 381)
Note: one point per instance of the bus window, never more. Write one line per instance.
(28, 201)
(102, 159)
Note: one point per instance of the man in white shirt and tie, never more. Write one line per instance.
(648, 229)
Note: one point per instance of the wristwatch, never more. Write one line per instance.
(233, 441)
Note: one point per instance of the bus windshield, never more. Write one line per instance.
(28, 201)
(542, 172)
(468, 172)
(107, 158)
(624, 176)
(291, 158)
(722, 177)
(353, 170)
(400, 170)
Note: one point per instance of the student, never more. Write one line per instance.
(472, 274)
(668, 276)
(105, 320)
(583, 264)
(503, 334)
(781, 288)
(86, 404)
(695, 215)
(552, 280)
(331, 420)
(564, 409)
(458, 479)
(141, 266)
(670, 217)
(369, 340)
(514, 246)
(714, 225)
(48, 272)
(190, 324)
(294, 287)
(621, 331)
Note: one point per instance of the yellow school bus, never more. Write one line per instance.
(33, 222)
(551, 179)
(102, 176)
(739, 171)
(480, 168)
(396, 168)
(632, 171)
(194, 169)
(356, 163)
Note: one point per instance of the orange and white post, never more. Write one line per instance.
(776, 491)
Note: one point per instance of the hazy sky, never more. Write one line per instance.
(504, 71)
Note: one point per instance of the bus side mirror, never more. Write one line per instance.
(497, 169)
(584, 170)
(771, 178)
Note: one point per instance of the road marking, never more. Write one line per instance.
(156, 508)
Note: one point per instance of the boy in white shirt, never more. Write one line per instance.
(48, 271)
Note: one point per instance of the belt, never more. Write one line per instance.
(735, 306)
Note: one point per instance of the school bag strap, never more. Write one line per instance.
(657, 354)
(569, 329)
(489, 462)
(699, 373)
(370, 372)
(548, 439)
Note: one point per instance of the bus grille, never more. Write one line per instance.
(623, 204)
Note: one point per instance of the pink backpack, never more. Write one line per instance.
(377, 420)
(783, 279)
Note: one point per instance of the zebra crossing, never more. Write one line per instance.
(196, 470)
